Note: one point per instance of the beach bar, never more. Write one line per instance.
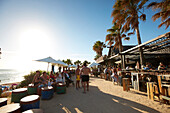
(154, 51)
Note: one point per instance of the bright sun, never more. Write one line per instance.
(34, 43)
(34, 40)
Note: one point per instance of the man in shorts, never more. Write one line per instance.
(85, 71)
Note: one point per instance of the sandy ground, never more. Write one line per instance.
(103, 97)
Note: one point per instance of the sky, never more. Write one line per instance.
(62, 29)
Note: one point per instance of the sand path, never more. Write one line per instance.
(103, 97)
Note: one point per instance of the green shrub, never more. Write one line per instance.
(28, 78)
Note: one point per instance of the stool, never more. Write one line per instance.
(61, 88)
(17, 94)
(3, 102)
(10, 108)
(47, 93)
(33, 111)
(30, 102)
(126, 83)
(32, 89)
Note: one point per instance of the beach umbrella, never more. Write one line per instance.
(72, 66)
(52, 61)
(48, 60)
(93, 64)
(60, 63)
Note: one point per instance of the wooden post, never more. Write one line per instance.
(151, 90)
(126, 84)
(148, 90)
(159, 83)
(124, 62)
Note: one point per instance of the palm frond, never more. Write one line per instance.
(143, 17)
(142, 3)
(131, 33)
(156, 16)
(123, 35)
(151, 4)
(127, 38)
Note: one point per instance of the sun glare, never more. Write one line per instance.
(34, 43)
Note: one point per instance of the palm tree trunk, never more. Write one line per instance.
(120, 50)
(140, 49)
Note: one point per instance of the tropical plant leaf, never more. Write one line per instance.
(127, 38)
(131, 33)
(156, 16)
(143, 17)
(151, 4)
(123, 35)
(142, 3)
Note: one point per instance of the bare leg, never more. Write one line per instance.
(87, 85)
(84, 85)
(78, 84)
(81, 83)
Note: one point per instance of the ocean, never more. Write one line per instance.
(11, 75)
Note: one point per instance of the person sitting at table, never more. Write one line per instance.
(59, 75)
(36, 80)
(68, 79)
(161, 66)
(44, 78)
(52, 75)
(146, 67)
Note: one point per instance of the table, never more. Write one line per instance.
(11, 108)
(3, 102)
(17, 94)
(33, 111)
(30, 102)
(61, 88)
(47, 93)
(32, 89)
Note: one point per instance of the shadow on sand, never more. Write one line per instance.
(94, 101)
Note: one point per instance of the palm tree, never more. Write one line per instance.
(96, 57)
(115, 37)
(126, 13)
(164, 12)
(77, 62)
(64, 61)
(98, 47)
(68, 61)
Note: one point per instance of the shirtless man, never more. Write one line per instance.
(36, 80)
(78, 77)
(85, 71)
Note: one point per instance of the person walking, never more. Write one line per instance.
(85, 71)
(77, 77)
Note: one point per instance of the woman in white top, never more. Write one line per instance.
(60, 77)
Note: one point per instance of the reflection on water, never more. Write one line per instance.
(11, 75)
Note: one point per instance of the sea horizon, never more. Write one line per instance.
(11, 76)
